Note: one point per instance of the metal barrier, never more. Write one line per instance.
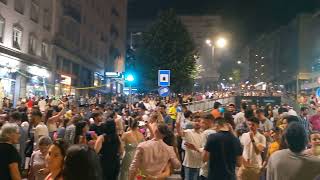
(207, 105)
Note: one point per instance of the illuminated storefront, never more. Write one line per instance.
(21, 80)
(64, 85)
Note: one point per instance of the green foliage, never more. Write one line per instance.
(167, 45)
(236, 75)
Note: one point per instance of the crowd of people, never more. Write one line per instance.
(59, 140)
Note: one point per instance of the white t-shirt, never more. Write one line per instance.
(193, 159)
(239, 118)
(42, 105)
(248, 149)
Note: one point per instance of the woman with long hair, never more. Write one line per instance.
(55, 159)
(82, 163)
(82, 128)
(108, 146)
(130, 139)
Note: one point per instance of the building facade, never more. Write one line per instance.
(286, 56)
(56, 47)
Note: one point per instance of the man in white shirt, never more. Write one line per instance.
(40, 128)
(42, 104)
(253, 144)
(293, 163)
(194, 142)
(239, 117)
(207, 127)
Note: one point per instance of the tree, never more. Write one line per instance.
(167, 45)
(229, 69)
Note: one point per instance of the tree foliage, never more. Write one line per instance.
(167, 45)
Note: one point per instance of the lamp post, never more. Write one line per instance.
(219, 43)
(131, 38)
(130, 79)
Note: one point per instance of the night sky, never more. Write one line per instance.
(245, 19)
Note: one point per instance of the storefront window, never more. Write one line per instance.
(36, 87)
(66, 66)
(7, 87)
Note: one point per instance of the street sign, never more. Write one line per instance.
(164, 78)
(318, 92)
(164, 91)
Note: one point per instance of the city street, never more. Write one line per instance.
(159, 90)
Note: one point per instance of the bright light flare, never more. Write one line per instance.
(221, 43)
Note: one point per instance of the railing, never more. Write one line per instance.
(207, 105)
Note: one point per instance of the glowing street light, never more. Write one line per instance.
(130, 78)
(239, 62)
(230, 78)
(221, 42)
(208, 41)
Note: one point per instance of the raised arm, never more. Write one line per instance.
(98, 144)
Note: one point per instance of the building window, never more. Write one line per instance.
(66, 66)
(34, 11)
(17, 37)
(115, 12)
(46, 19)
(44, 50)
(59, 63)
(75, 69)
(2, 24)
(32, 44)
(3, 1)
(19, 6)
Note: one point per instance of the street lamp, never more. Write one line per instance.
(221, 42)
(208, 41)
(131, 38)
(230, 78)
(130, 79)
(239, 62)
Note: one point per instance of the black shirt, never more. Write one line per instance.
(224, 148)
(9, 155)
(96, 128)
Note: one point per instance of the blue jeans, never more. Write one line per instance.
(191, 173)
